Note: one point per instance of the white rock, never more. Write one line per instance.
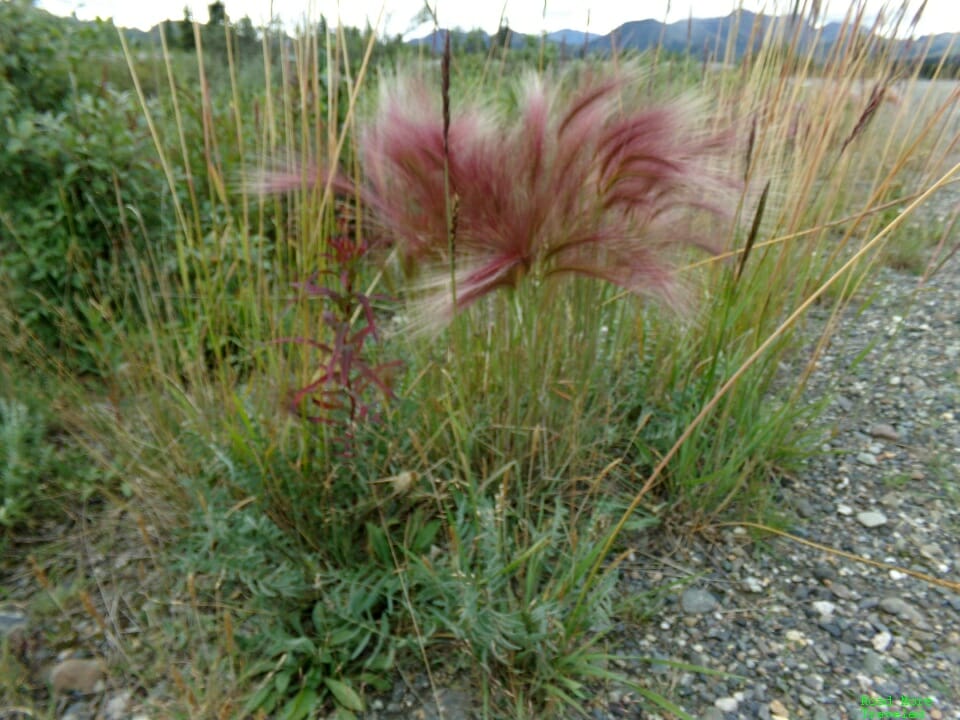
(118, 706)
(797, 637)
(871, 518)
(726, 704)
(824, 607)
(844, 509)
(881, 641)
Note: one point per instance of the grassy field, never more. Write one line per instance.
(386, 358)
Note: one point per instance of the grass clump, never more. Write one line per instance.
(404, 413)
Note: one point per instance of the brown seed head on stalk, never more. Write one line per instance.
(445, 92)
(876, 98)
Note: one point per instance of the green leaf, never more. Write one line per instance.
(282, 682)
(265, 698)
(343, 635)
(426, 536)
(379, 544)
(302, 705)
(344, 694)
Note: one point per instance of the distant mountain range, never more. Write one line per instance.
(707, 36)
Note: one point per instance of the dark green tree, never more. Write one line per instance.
(475, 42)
(247, 38)
(217, 14)
(186, 38)
(504, 34)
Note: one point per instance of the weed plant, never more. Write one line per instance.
(503, 388)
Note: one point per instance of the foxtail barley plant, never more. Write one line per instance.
(581, 180)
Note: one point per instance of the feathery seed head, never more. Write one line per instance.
(581, 178)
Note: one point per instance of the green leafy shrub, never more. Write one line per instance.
(78, 182)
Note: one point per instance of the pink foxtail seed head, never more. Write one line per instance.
(582, 177)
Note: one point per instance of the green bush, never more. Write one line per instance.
(78, 178)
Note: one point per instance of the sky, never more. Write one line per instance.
(529, 16)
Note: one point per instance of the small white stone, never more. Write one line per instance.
(866, 458)
(117, 707)
(726, 704)
(897, 575)
(881, 641)
(797, 637)
(871, 518)
(844, 509)
(824, 607)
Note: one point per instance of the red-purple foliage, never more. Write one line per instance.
(577, 182)
(338, 394)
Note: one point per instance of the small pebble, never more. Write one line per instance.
(727, 704)
(871, 518)
(902, 609)
(118, 706)
(884, 432)
(778, 710)
(866, 458)
(824, 607)
(695, 601)
(881, 641)
(83, 676)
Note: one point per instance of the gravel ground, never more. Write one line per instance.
(813, 634)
